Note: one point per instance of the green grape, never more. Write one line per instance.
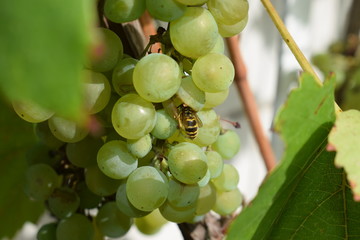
(219, 45)
(87, 198)
(63, 202)
(112, 222)
(39, 153)
(67, 130)
(213, 72)
(195, 33)
(147, 188)
(151, 223)
(206, 200)
(190, 94)
(205, 180)
(192, 2)
(43, 133)
(165, 10)
(157, 77)
(182, 195)
(165, 125)
(76, 227)
(122, 76)
(31, 112)
(115, 160)
(227, 144)
(228, 11)
(228, 179)
(210, 130)
(99, 183)
(97, 91)
(175, 214)
(104, 116)
(121, 11)
(227, 202)
(233, 29)
(112, 50)
(125, 205)
(215, 163)
(140, 147)
(41, 180)
(83, 153)
(47, 232)
(215, 99)
(133, 117)
(187, 162)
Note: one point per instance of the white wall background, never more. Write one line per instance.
(272, 70)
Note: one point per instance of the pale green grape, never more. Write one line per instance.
(228, 179)
(187, 162)
(151, 223)
(182, 195)
(121, 11)
(41, 180)
(112, 50)
(227, 144)
(63, 202)
(219, 45)
(31, 112)
(43, 133)
(233, 29)
(215, 163)
(67, 130)
(228, 11)
(210, 129)
(87, 198)
(205, 180)
(157, 77)
(190, 94)
(195, 33)
(165, 10)
(215, 99)
(213, 72)
(112, 222)
(206, 200)
(47, 232)
(227, 202)
(99, 183)
(122, 76)
(83, 153)
(175, 214)
(97, 91)
(133, 117)
(125, 206)
(76, 227)
(140, 147)
(165, 125)
(147, 188)
(115, 160)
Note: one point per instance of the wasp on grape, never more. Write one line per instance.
(188, 120)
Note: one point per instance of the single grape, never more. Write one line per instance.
(187, 162)
(122, 76)
(228, 179)
(151, 223)
(227, 202)
(67, 130)
(213, 72)
(233, 29)
(227, 144)
(115, 160)
(31, 112)
(210, 130)
(63, 202)
(121, 11)
(175, 214)
(228, 11)
(41, 180)
(192, 2)
(76, 227)
(195, 33)
(165, 10)
(190, 94)
(165, 125)
(215, 163)
(139, 147)
(47, 232)
(133, 117)
(215, 99)
(182, 195)
(147, 188)
(157, 77)
(206, 200)
(99, 183)
(87, 198)
(43, 133)
(112, 222)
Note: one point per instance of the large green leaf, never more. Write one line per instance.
(16, 137)
(305, 197)
(43, 45)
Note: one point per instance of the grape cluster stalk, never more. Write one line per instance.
(160, 153)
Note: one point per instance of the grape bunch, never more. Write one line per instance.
(158, 149)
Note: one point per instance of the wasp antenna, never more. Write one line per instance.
(235, 124)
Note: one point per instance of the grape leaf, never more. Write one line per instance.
(306, 196)
(345, 139)
(43, 45)
(16, 137)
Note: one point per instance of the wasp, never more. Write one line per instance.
(188, 120)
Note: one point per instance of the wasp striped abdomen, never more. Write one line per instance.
(189, 122)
